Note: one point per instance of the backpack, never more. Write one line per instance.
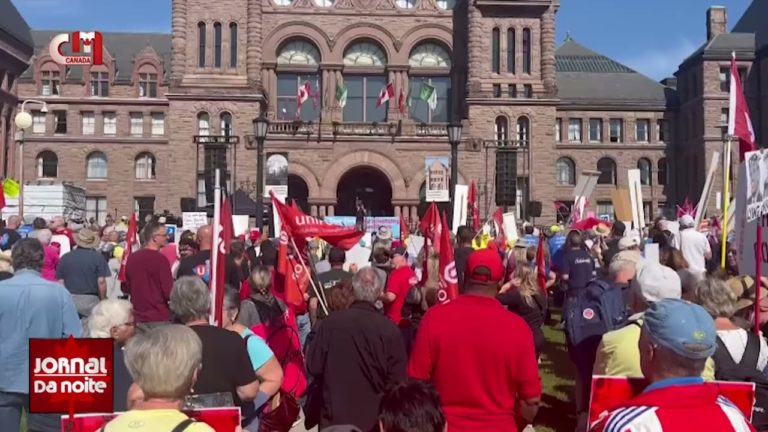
(726, 369)
(594, 310)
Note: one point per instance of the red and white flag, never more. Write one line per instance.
(474, 209)
(739, 123)
(295, 277)
(449, 281)
(386, 93)
(404, 233)
(131, 239)
(302, 226)
(221, 246)
(303, 93)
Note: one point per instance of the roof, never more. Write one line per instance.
(12, 23)
(753, 21)
(123, 47)
(588, 77)
(723, 45)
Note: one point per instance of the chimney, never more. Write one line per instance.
(717, 21)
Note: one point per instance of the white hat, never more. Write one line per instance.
(627, 243)
(687, 221)
(656, 282)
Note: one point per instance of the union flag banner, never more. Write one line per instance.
(301, 226)
(449, 281)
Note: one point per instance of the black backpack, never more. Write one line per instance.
(726, 369)
(594, 310)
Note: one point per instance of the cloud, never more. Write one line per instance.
(662, 62)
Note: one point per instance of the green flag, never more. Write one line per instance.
(341, 95)
(429, 95)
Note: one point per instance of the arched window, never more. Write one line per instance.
(232, 45)
(495, 50)
(523, 131)
(298, 52)
(511, 50)
(607, 168)
(217, 45)
(500, 129)
(227, 128)
(145, 166)
(203, 123)
(201, 44)
(298, 60)
(96, 166)
(363, 89)
(565, 172)
(47, 164)
(526, 50)
(432, 56)
(662, 173)
(644, 165)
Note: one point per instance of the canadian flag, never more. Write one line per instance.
(303, 93)
(739, 123)
(386, 93)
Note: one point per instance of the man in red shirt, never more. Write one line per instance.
(401, 279)
(479, 356)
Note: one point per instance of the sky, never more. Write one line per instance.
(650, 36)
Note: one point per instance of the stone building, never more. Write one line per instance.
(144, 130)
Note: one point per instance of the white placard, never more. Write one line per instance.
(651, 252)
(415, 245)
(191, 221)
(636, 198)
(63, 242)
(701, 207)
(756, 178)
(460, 202)
(358, 255)
(510, 227)
(239, 225)
(746, 232)
(438, 178)
(276, 222)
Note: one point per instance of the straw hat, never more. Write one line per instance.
(87, 239)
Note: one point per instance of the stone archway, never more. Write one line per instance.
(382, 163)
(364, 185)
(298, 191)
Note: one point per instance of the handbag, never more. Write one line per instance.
(283, 410)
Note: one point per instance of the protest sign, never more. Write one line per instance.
(191, 221)
(756, 176)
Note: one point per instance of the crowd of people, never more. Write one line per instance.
(372, 347)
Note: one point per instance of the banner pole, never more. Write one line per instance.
(309, 276)
(726, 202)
(215, 247)
(758, 272)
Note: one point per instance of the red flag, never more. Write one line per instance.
(224, 241)
(404, 233)
(739, 122)
(295, 280)
(474, 209)
(131, 239)
(386, 93)
(430, 226)
(302, 226)
(541, 269)
(2, 195)
(501, 236)
(295, 205)
(401, 102)
(449, 282)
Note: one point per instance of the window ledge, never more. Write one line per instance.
(145, 180)
(97, 180)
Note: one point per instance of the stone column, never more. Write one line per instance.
(178, 40)
(313, 211)
(414, 215)
(548, 51)
(253, 52)
(322, 211)
(331, 210)
(397, 211)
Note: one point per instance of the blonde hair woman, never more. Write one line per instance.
(524, 297)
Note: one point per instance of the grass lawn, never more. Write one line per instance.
(557, 372)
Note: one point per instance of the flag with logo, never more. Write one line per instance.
(474, 208)
(428, 95)
(386, 93)
(131, 239)
(430, 228)
(221, 247)
(404, 233)
(341, 95)
(739, 122)
(294, 276)
(449, 282)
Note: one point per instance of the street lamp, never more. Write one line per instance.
(260, 129)
(23, 121)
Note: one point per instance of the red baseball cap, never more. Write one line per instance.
(484, 265)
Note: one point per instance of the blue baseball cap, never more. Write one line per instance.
(684, 327)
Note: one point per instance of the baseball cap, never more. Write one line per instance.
(626, 243)
(656, 282)
(337, 255)
(687, 221)
(681, 326)
(399, 250)
(484, 265)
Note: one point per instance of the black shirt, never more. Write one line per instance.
(196, 265)
(8, 238)
(579, 265)
(461, 255)
(236, 273)
(532, 314)
(355, 355)
(613, 249)
(122, 381)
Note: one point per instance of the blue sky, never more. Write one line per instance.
(651, 36)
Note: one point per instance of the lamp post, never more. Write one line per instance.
(454, 138)
(23, 121)
(260, 129)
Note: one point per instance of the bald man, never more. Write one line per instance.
(199, 264)
(8, 235)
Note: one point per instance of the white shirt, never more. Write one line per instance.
(694, 246)
(736, 343)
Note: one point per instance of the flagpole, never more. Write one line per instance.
(758, 272)
(319, 293)
(215, 246)
(726, 201)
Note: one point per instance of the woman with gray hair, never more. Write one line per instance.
(226, 366)
(720, 300)
(52, 255)
(165, 364)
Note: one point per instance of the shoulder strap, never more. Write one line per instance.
(248, 336)
(751, 352)
(723, 356)
(183, 425)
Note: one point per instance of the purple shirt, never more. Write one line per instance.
(50, 263)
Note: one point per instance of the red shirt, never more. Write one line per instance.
(400, 281)
(149, 282)
(480, 358)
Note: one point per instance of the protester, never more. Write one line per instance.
(693, 244)
(237, 268)
(59, 228)
(8, 235)
(526, 299)
(84, 272)
(52, 255)
(628, 250)
(612, 244)
(578, 266)
(556, 245)
(355, 356)
(199, 264)
(341, 296)
(30, 307)
(148, 279)
(395, 297)
(113, 319)
(187, 248)
(464, 237)
(336, 258)
(165, 364)
(413, 406)
(676, 339)
(689, 278)
(265, 365)
(455, 343)
(226, 365)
